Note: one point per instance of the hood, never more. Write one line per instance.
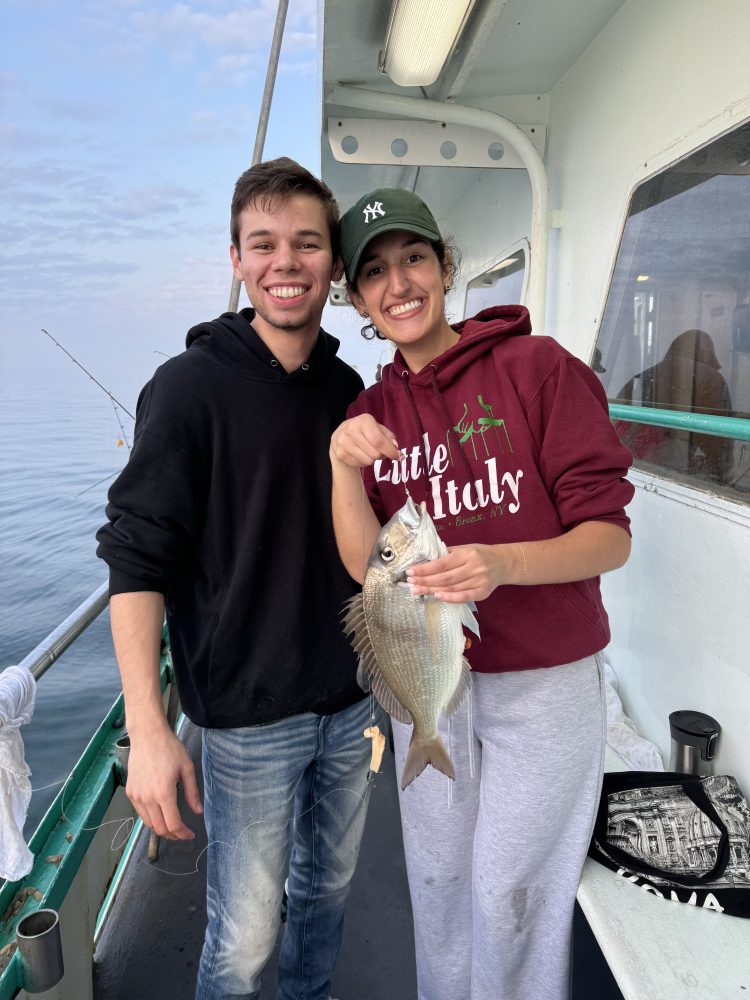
(478, 337)
(232, 342)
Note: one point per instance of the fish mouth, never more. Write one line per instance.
(413, 514)
(400, 575)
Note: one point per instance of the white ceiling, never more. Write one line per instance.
(529, 47)
(526, 49)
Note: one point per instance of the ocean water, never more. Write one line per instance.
(58, 438)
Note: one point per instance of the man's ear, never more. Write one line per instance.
(337, 271)
(236, 262)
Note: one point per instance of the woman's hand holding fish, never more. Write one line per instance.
(361, 441)
(471, 572)
(467, 573)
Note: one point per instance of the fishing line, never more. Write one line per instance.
(87, 372)
(128, 822)
(54, 784)
(122, 429)
(362, 516)
(112, 398)
(256, 822)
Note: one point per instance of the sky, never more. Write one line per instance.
(123, 127)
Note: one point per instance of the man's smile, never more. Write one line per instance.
(287, 291)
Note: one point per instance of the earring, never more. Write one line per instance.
(364, 314)
(447, 288)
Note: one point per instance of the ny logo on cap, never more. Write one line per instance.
(372, 211)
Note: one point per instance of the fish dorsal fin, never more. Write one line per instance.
(356, 623)
(467, 618)
(462, 688)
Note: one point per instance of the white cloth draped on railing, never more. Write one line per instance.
(17, 696)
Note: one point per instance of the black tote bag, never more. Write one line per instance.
(683, 837)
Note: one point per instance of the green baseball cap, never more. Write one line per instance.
(382, 211)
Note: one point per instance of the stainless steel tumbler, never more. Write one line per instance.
(694, 739)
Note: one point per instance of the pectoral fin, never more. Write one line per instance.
(467, 618)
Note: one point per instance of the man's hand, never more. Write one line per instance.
(158, 762)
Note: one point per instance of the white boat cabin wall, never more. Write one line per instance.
(645, 112)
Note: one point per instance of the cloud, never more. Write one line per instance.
(239, 35)
(89, 204)
(201, 279)
(303, 68)
(235, 61)
(42, 174)
(66, 281)
(207, 127)
(156, 199)
(242, 31)
(83, 111)
(17, 139)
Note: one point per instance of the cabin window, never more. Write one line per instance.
(675, 334)
(501, 285)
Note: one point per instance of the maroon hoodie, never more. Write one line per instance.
(508, 438)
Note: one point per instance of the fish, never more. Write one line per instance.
(411, 647)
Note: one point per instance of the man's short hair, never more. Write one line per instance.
(282, 178)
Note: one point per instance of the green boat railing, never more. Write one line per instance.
(82, 837)
(41, 658)
(737, 428)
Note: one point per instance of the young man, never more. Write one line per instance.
(222, 515)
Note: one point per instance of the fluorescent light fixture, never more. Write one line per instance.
(643, 277)
(421, 37)
(505, 263)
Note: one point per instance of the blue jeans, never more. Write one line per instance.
(287, 799)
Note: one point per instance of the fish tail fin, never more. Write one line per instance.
(423, 752)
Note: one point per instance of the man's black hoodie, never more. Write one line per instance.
(225, 508)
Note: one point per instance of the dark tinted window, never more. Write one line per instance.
(676, 328)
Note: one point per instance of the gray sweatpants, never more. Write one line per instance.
(494, 859)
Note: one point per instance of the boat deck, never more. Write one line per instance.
(151, 944)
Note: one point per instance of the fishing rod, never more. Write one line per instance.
(104, 479)
(87, 372)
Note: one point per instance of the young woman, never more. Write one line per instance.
(508, 439)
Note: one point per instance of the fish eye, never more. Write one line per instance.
(387, 555)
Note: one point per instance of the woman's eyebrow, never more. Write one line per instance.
(407, 243)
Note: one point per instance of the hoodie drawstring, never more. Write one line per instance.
(450, 430)
(420, 429)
